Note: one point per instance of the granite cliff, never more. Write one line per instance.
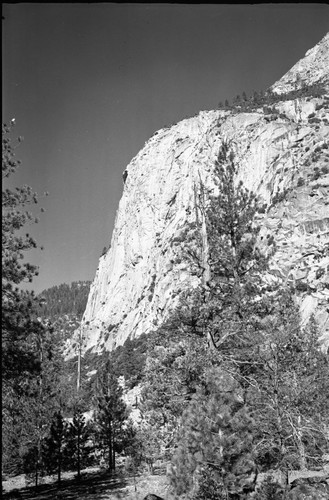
(282, 151)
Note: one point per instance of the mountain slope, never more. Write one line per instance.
(64, 305)
(281, 149)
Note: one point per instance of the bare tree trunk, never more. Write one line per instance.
(205, 262)
(298, 437)
(79, 361)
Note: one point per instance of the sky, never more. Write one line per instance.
(89, 83)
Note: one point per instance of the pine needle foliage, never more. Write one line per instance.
(78, 449)
(215, 448)
(234, 283)
(290, 390)
(110, 413)
(21, 327)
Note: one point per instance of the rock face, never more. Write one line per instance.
(311, 69)
(282, 155)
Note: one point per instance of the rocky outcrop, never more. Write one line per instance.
(282, 154)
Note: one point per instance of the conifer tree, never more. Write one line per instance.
(55, 445)
(42, 399)
(110, 413)
(77, 452)
(221, 248)
(20, 325)
(255, 97)
(237, 100)
(173, 373)
(17, 322)
(235, 262)
(290, 391)
(215, 451)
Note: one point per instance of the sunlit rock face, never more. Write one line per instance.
(313, 68)
(283, 157)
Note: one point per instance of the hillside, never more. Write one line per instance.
(63, 305)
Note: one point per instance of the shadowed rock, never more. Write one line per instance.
(151, 496)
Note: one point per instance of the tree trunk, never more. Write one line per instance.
(113, 449)
(279, 425)
(150, 466)
(78, 450)
(283, 452)
(36, 473)
(37, 462)
(300, 445)
(110, 448)
(205, 264)
(302, 456)
(59, 469)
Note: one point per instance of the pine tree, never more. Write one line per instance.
(77, 450)
(215, 450)
(17, 320)
(221, 248)
(290, 390)
(110, 413)
(223, 312)
(55, 444)
(20, 325)
(237, 100)
(173, 373)
(42, 399)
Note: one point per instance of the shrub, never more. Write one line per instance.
(316, 174)
(270, 490)
(262, 209)
(301, 286)
(209, 488)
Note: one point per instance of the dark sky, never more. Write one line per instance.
(88, 84)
